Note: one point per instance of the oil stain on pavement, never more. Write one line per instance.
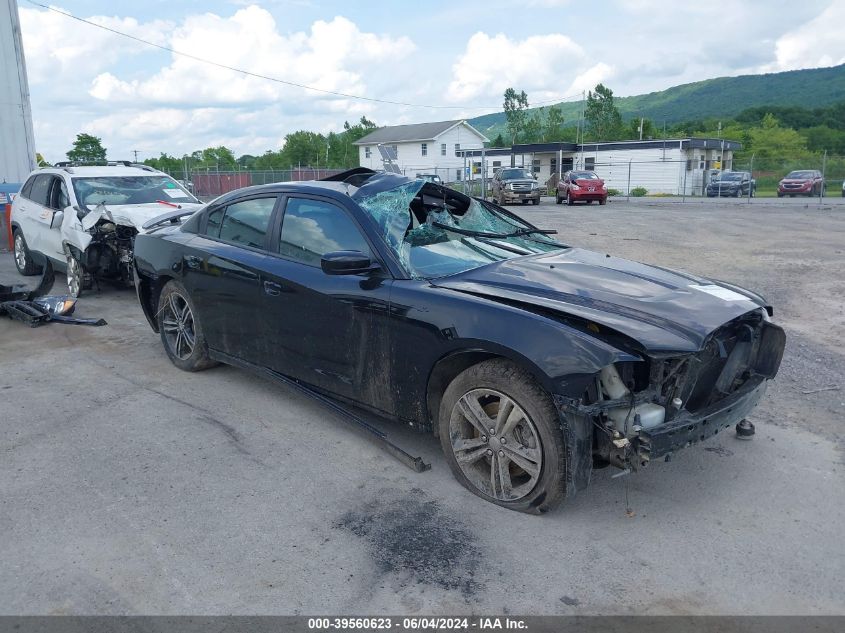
(413, 537)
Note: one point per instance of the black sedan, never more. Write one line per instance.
(534, 362)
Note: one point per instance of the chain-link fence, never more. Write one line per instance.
(684, 178)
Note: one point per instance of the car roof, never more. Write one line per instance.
(95, 171)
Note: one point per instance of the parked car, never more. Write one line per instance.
(533, 361)
(803, 182)
(430, 178)
(515, 184)
(85, 218)
(732, 183)
(581, 186)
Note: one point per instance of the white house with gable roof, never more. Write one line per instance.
(423, 148)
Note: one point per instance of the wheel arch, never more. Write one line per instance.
(149, 290)
(449, 366)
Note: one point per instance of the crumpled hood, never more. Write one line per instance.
(132, 214)
(661, 309)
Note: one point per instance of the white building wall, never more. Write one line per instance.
(411, 161)
(17, 146)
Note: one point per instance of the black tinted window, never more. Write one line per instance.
(215, 218)
(245, 222)
(27, 187)
(40, 192)
(311, 228)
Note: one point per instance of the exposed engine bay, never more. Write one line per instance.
(645, 410)
(109, 254)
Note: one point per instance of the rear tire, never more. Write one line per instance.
(569, 199)
(180, 329)
(521, 465)
(558, 199)
(603, 201)
(23, 257)
(536, 202)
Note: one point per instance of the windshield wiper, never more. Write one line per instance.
(487, 234)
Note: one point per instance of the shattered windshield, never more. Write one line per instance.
(129, 190)
(436, 231)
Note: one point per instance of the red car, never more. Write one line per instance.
(581, 186)
(804, 182)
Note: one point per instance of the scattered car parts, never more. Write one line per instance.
(33, 307)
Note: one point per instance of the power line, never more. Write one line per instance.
(275, 79)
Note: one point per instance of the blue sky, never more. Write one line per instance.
(456, 54)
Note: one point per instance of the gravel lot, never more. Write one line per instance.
(127, 486)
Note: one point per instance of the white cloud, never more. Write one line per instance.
(331, 56)
(818, 42)
(540, 64)
(57, 47)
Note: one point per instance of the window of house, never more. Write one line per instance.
(458, 174)
(689, 164)
(497, 163)
(590, 163)
(244, 222)
(395, 150)
(457, 149)
(367, 152)
(536, 163)
(424, 149)
(553, 166)
(443, 149)
(312, 228)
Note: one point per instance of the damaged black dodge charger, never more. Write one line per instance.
(533, 361)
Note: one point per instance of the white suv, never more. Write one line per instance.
(86, 218)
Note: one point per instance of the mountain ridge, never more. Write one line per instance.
(709, 98)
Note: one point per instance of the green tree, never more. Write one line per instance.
(516, 106)
(221, 158)
(649, 131)
(533, 131)
(169, 164)
(553, 126)
(604, 123)
(87, 149)
(499, 141)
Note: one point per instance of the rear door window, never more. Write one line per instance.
(245, 222)
(27, 187)
(40, 192)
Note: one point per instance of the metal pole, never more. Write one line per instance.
(629, 179)
(684, 196)
(824, 165)
(483, 174)
(751, 176)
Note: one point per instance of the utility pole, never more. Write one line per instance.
(135, 151)
(641, 128)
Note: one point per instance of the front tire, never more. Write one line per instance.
(558, 199)
(569, 199)
(501, 436)
(180, 329)
(77, 279)
(23, 257)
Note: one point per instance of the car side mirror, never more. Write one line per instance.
(58, 217)
(347, 263)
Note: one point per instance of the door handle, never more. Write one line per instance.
(193, 261)
(272, 288)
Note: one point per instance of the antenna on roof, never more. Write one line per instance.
(389, 157)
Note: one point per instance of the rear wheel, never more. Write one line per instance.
(603, 201)
(569, 199)
(558, 199)
(180, 329)
(23, 258)
(536, 201)
(501, 436)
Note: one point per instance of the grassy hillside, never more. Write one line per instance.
(721, 97)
